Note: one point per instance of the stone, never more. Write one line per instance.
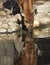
(36, 23)
(44, 7)
(27, 24)
(12, 36)
(13, 26)
(1, 5)
(12, 19)
(2, 13)
(3, 35)
(11, 29)
(18, 16)
(2, 30)
(11, 23)
(36, 32)
(5, 26)
(0, 23)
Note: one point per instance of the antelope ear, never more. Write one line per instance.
(7, 5)
(18, 16)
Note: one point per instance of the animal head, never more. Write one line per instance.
(27, 9)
